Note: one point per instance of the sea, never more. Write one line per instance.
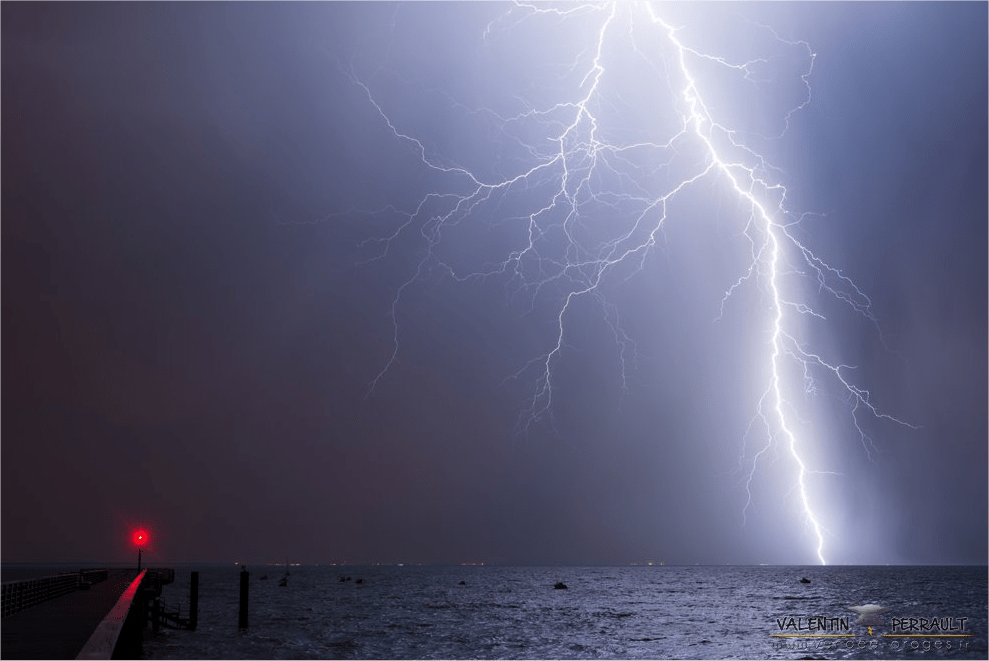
(628, 612)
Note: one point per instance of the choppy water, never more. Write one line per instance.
(605, 612)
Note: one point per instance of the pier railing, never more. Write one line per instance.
(93, 575)
(106, 640)
(120, 633)
(160, 576)
(18, 595)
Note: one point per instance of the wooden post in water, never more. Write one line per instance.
(244, 578)
(194, 600)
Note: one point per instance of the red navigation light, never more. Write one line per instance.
(140, 537)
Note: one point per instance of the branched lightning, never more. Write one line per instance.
(595, 207)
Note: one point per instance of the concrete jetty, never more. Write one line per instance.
(60, 628)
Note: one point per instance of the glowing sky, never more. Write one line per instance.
(206, 330)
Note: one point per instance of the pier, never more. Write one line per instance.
(52, 618)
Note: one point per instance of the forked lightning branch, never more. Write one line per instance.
(590, 182)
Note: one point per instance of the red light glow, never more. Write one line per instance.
(140, 537)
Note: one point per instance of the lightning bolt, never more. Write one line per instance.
(595, 207)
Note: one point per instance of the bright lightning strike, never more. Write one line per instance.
(589, 193)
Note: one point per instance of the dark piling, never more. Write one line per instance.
(245, 576)
(194, 601)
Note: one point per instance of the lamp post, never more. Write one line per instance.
(140, 539)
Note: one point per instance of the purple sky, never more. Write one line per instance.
(191, 324)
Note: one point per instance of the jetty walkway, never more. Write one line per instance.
(61, 627)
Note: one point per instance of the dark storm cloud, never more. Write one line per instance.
(189, 335)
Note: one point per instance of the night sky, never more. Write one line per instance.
(197, 299)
